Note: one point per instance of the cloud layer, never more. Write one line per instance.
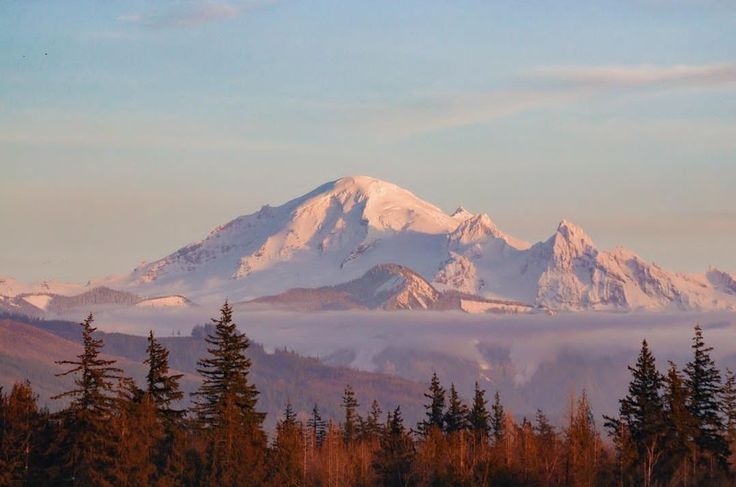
(192, 14)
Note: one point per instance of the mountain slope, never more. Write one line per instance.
(388, 287)
(28, 351)
(342, 229)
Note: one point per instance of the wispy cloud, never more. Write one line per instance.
(641, 75)
(430, 113)
(544, 87)
(191, 14)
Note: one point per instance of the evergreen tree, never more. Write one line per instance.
(680, 424)
(642, 413)
(317, 426)
(548, 447)
(350, 404)
(20, 428)
(225, 374)
(728, 408)
(498, 419)
(583, 445)
(286, 462)
(456, 417)
(87, 443)
(435, 409)
(226, 408)
(162, 386)
(479, 417)
(395, 456)
(289, 415)
(703, 381)
(372, 427)
(140, 435)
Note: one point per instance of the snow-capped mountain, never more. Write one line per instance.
(342, 229)
(38, 302)
(331, 235)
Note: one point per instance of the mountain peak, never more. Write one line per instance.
(366, 186)
(461, 214)
(574, 234)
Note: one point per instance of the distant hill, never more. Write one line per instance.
(29, 348)
(388, 287)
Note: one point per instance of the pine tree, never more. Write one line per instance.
(395, 456)
(286, 463)
(456, 417)
(20, 427)
(289, 415)
(226, 408)
(317, 426)
(140, 434)
(435, 409)
(372, 426)
(549, 448)
(479, 417)
(225, 374)
(162, 386)
(350, 404)
(728, 408)
(642, 413)
(703, 381)
(498, 419)
(583, 445)
(681, 428)
(87, 441)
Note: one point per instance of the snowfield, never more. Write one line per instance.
(339, 231)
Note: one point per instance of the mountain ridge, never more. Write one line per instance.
(339, 231)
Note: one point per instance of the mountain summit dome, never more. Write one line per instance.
(339, 231)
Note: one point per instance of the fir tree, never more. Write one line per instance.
(317, 427)
(583, 444)
(456, 417)
(225, 374)
(289, 415)
(680, 424)
(372, 427)
(395, 456)
(703, 381)
(87, 442)
(20, 428)
(479, 417)
(435, 409)
(286, 467)
(728, 404)
(162, 386)
(498, 419)
(548, 446)
(642, 413)
(350, 404)
(226, 408)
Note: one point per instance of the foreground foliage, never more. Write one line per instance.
(673, 429)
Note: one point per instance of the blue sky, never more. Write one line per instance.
(128, 129)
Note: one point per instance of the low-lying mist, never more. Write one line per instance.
(535, 361)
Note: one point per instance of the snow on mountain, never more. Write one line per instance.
(389, 287)
(175, 301)
(40, 305)
(328, 236)
(10, 287)
(341, 230)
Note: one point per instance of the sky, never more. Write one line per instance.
(129, 129)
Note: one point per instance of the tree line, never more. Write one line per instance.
(673, 428)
